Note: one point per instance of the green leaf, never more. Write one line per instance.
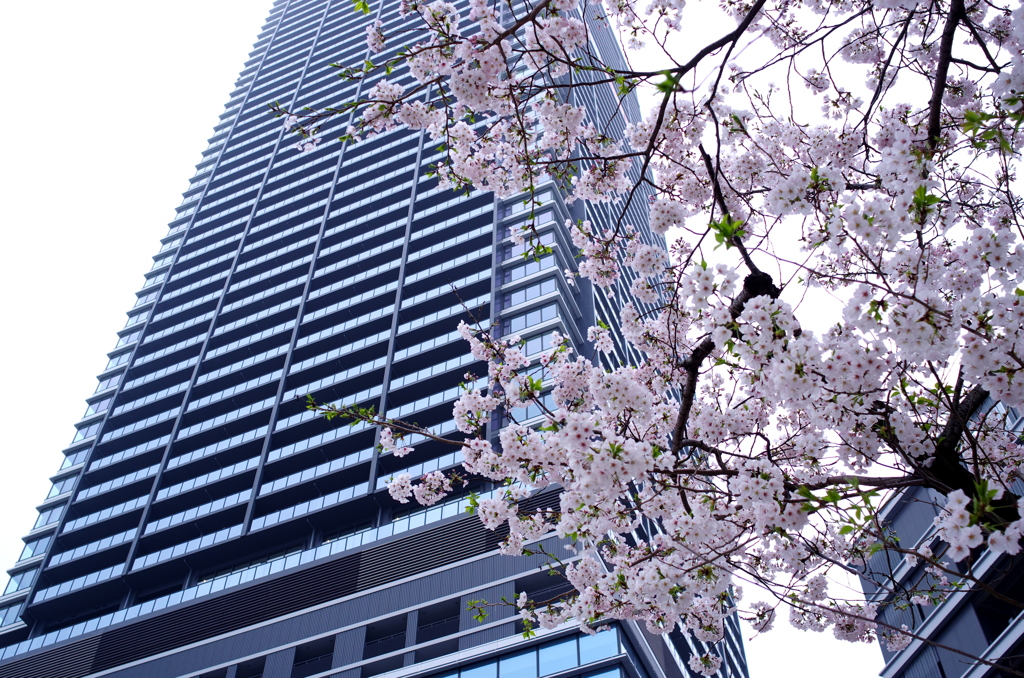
(473, 503)
(669, 84)
(726, 230)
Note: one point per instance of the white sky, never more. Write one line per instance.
(107, 106)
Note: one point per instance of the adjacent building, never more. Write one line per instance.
(204, 524)
(966, 624)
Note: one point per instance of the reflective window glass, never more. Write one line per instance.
(49, 516)
(534, 317)
(120, 359)
(510, 251)
(535, 345)
(137, 318)
(521, 665)
(109, 382)
(20, 581)
(166, 259)
(98, 406)
(535, 410)
(527, 204)
(539, 220)
(34, 548)
(86, 432)
(486, 670)
(531, 292)
(129, 338)
(61, 486)
(599, 646)
(74, 458)
(559, 655)
(146, 298)
(529, 268)
(9, 615)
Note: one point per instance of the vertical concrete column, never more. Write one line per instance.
(348, 649)
(279, 664)
(411, 622)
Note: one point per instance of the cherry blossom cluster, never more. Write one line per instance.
(960, 528)
(389, 445)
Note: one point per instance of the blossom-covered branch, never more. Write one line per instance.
(838, 316)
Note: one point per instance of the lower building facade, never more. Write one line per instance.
(379, 605)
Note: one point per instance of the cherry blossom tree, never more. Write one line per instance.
(837, 311)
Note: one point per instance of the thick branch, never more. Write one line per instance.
(881, 482)
(729, 37)
(947, 472)
(532, 16)
(757, 284)
(956, 14)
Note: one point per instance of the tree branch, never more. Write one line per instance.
(956, 13)
(757, 284)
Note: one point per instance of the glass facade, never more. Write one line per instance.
(197, 476)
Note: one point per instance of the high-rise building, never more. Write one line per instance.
(964, 623)
(204, 523)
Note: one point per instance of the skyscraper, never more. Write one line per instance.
(203, 522)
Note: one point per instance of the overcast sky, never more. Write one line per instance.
(107, 106)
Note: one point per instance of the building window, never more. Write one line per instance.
(137, 318)
(128, 338)
(74, 458)
(49, 516)
(526, 226)
(109, 382)
(145, 299)
(62, 486)
(20, 581)
(97, 407)
(526, 204)
(534, 317)
(166, 259)
(9, 615)
(559, 655)
(520, 251)
(35, 548)
(87, 432)
(527, 293)
(532, 266)
(247, 564)
(118, 360)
